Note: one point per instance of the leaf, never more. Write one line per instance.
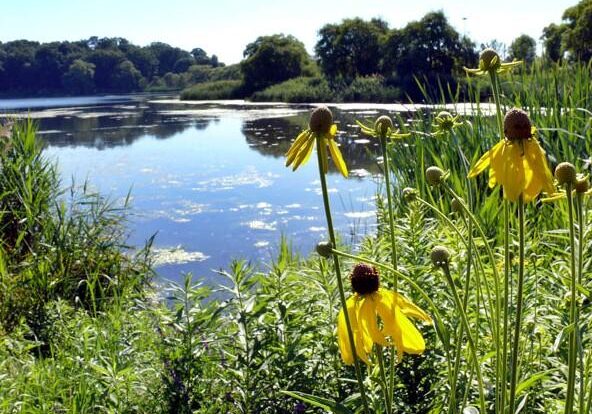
(524, 385)
(320, 402)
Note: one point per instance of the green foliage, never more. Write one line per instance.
(351, 48)
(302, 89)
(523, 48)
(93, 65)
(370, 89)
(274, 59)
(223, 89)
(577, 37)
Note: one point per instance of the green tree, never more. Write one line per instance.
(106, 62)
(429, 49)
(79, 79)
(551, 38)
(523, 48)
(126, 78)
(351, 48)
(274, 59)
(577, 37)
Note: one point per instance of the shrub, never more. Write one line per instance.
(300, 89)
(224, 89)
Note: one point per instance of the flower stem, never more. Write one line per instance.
(465, 323)
(519, 300)
(331, 231)
(384, 384)
(394, 259)
(504, 366)
(581, 224)
(573, 343)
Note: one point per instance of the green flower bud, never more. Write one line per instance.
(434, 176)
(324, 249)
(565, 173)
(382, 125)
(409, 194)
(489, 60)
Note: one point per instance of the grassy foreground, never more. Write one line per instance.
(82, 330)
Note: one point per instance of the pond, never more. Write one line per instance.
(208, 178)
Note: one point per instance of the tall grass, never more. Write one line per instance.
(82, 329)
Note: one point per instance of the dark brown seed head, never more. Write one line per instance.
(364, 279)
(517, 125)
(383, 124)
(440, 256)
(321, 120)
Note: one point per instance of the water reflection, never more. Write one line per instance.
(210, 179)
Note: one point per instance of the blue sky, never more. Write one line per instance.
(224, 27)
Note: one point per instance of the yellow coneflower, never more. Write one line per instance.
(383, 127)
(321, 127)
(517, 162)
(490, 62)
(370, 302)
(445, 123)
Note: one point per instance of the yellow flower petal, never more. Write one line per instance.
(299, 144)
(333, 131)
(342, 336)
(538, 162)
(368, 313)
(304, 154)
(412, 340)
(337, 158)
(411, 309)
(512, 176)
(485, 160)
(324, 157)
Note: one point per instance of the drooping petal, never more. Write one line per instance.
(485, 160)
(497, 163)
(512, 176)
(333, 131)
(368, 321)
(303, 156)
(538, 161)
(412, 340)
(337, 158)
(298, 142)
(301, 141)
(342, 336)
(411, 309)
(366, 129)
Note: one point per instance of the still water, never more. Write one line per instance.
(207, 178)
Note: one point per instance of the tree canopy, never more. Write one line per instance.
(273, 59)
(523, 48)
(93, 65)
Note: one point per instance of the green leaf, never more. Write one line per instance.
(320, 402)
(524, 385)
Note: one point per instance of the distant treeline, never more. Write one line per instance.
(99, 65)
(354, 60)
(359, 60)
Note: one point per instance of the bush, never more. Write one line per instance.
(224, 89)
(369, 89)
(300, 89)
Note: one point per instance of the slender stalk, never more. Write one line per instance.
(465, 322)
(504, 368)
(580, 213)
(394, 260)
(384, 384)
(338, 273)
(573, 343)
(519, 300)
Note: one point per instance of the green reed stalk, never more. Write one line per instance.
(501, 363)
(394, 260)
(384, 384)
(465, 323)
(338, 273)
(580, 213)
(573, 343)
(519, 302)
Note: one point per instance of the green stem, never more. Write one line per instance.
(519, 301)
(581, 224)
(394, 259)
(465, 323)
(338, 273)
(384, 385)
(504, 358)
(573, 343)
